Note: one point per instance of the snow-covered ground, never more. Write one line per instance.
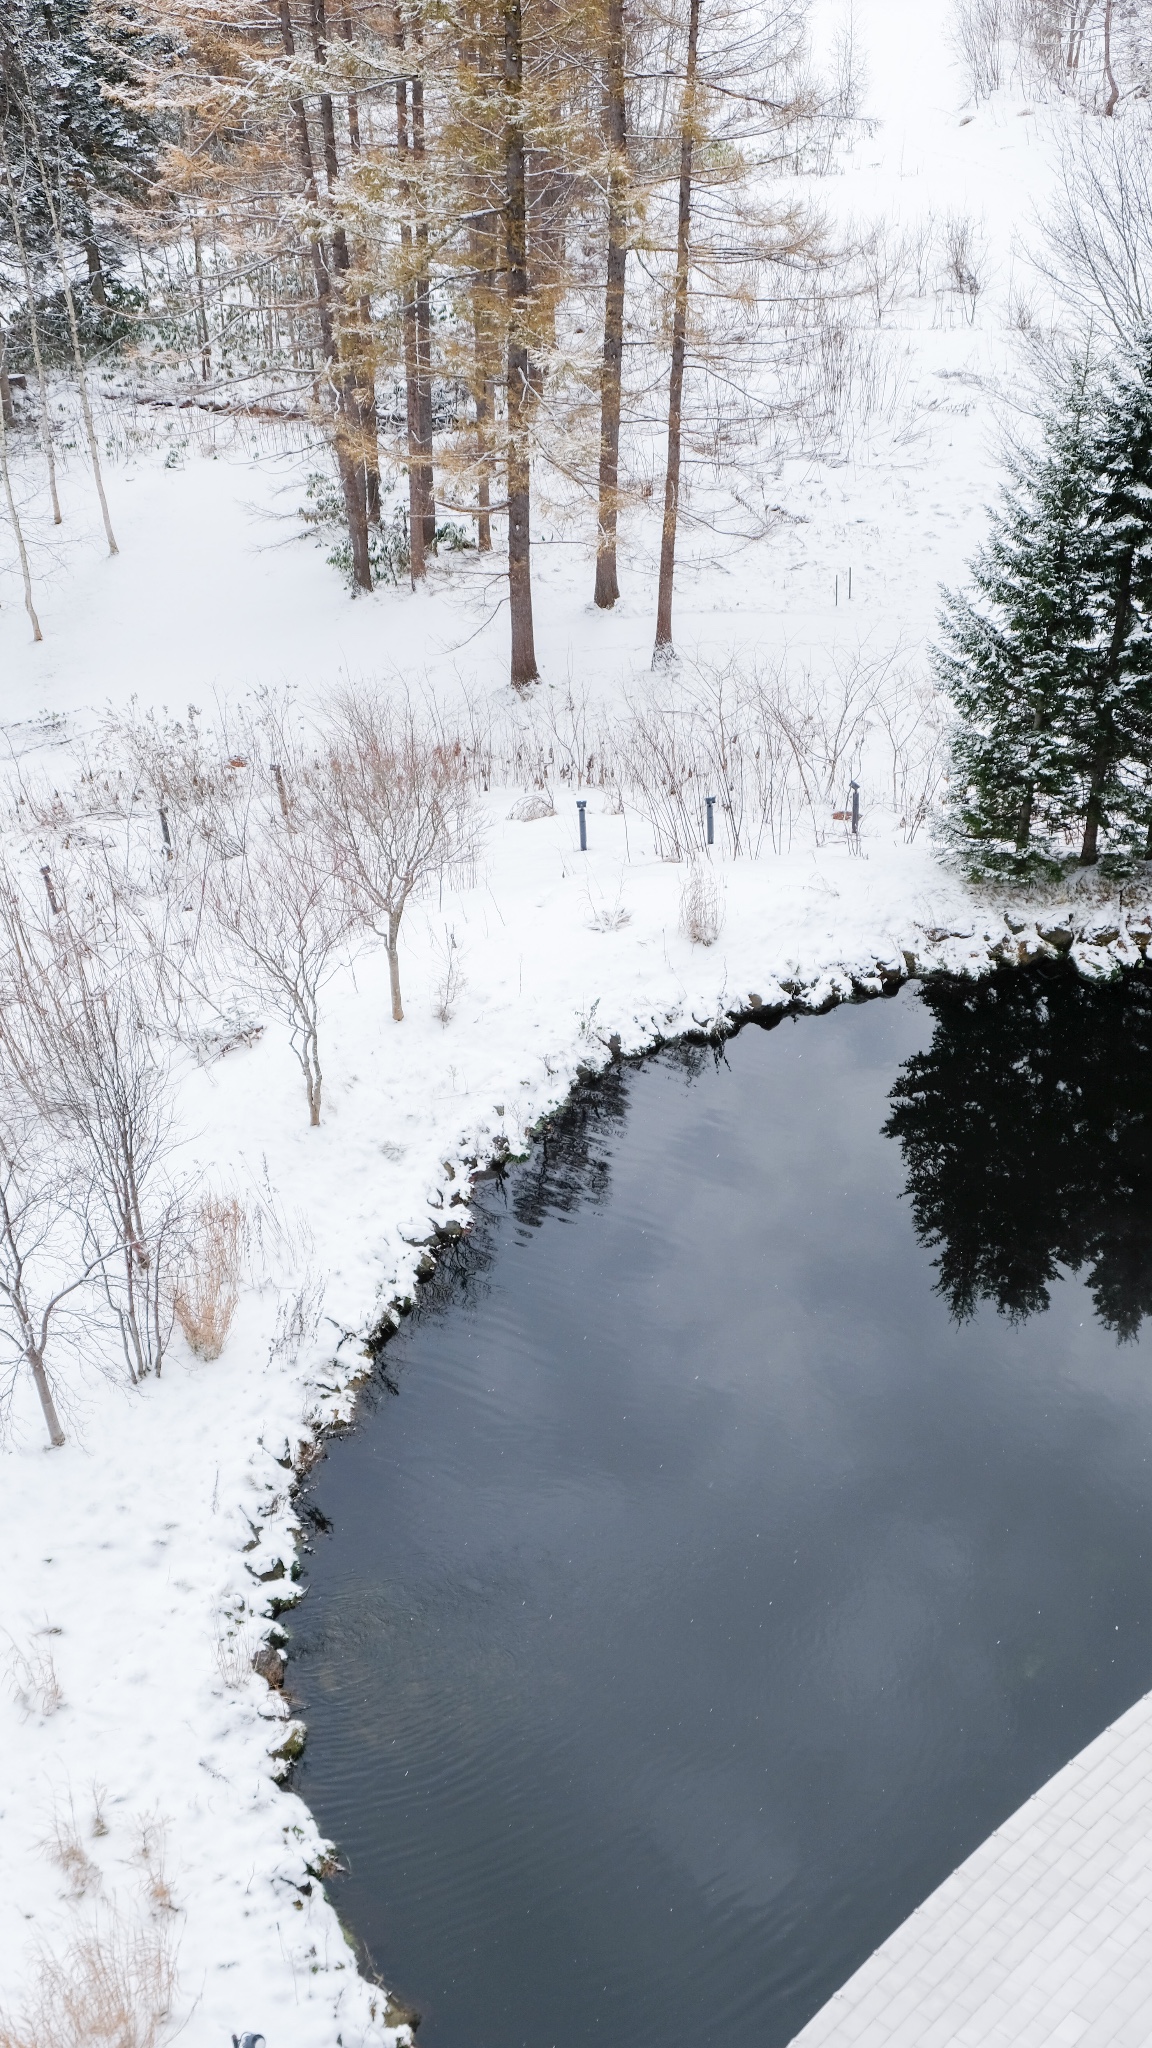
(138, 1784)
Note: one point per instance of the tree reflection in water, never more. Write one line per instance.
(568, 1168)
(1025, 1130)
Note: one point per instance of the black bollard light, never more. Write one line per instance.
(855, 789)
(581, 806)
(709, 805)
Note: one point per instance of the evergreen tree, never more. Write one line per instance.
(109, 143)
(1114, 725)
(71, 148)
(1015, 654)
(1049, 660)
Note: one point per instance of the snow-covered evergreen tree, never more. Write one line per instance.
(1015, 652)
(1048, 659)
(1113, 726)
(73, 151)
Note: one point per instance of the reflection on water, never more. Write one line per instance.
(726, 1569)
(1025, 1129)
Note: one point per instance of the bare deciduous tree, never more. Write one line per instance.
(978, 29)
(283, 906)
(40, 1267)
(81, 1043)
(14, 520)
(397, 802)
(1099, 238)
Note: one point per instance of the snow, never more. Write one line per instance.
(129, 1558)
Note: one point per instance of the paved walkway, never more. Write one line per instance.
(1042, 1939)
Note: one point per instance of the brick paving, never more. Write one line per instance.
(1042, 1939)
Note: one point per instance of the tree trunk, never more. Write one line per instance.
(423, 327)
(1109, 76)
(417, 566)
(36, 1360)
(1089, 854)
(201, 310)
(14, 521)
(483, 288)
(354, 466)
(349, 468)
(38, 356)
(78, 360)
(394, 965)
(523, 665)
(615, 122)
(1110, 744)
(369, 419)
(424, 388)
(309, 1055)
(415, 320)
(483, 489)
(96, 286)
(1024, 822)
(134, 1348)
(7, 409)
(663, 649)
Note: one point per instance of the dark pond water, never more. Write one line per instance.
(749, 1534)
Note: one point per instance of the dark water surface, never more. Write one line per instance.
(708, 1591)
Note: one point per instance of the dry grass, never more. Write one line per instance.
(112, 1988)
(452, 981)
(236, 1645)
(298, 1318)
(700, 914)
(32, 1678)
(153, 1844)
(607, 914)
(537, 804)
(205, 1296)
(67, 1851)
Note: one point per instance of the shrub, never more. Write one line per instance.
(389, 553)
(700, 914)
(207, 1291)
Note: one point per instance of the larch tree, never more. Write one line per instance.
(616, 195)
(415, 278)
(268, 121)
(520, 137)
(741, 92)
